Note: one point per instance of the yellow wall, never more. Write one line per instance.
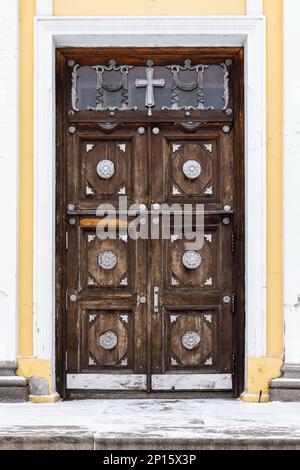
(149, 7)
(273, 11)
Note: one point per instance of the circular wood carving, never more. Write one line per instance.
(107, 259)
(190, 340)
(108, 340)
(106, 169)
(191, 169)
(191, 259)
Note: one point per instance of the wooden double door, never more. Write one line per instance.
(139, 312)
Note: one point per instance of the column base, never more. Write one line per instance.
(12, 388)
(286, 387)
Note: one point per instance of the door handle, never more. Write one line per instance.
(156, 299)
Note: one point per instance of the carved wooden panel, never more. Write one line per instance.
(108, 339)
(206, 275)
(193, 170)
(192, 339)
(105, 168)
(105, 262)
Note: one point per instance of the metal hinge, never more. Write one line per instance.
(67, 241)
(232, 243)
(233, 364)
(233, 304)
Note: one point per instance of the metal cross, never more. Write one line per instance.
(149, 83)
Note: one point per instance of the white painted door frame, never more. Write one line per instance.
(9, 179)
(52, 32)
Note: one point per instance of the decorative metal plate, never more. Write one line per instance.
(190, 340)
(191, 169)
(106, 169)
(108, 340)
(191, 259)
(107, 259)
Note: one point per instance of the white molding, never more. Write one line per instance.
(159, 381)
(44, 7)
(107, 382)
(192, 382)
(291, 190)
(149, 31)
(9, 161)
(255, 7)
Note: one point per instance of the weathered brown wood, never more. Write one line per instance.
(149, 168)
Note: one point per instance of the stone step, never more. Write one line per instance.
(79, 439)
(13, 389)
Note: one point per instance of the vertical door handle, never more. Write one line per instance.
(156, 299)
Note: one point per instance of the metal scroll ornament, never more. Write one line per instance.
(191, 169)
(106, 169)
(107, 260)
(190, 340)
(108, 340)
(191, 259)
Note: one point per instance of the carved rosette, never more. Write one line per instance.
(107, 259)
(191, 259)
(190, 340)
(108, 340)
(106, 169)
(191, 169)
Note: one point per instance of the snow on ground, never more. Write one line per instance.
(155, 418)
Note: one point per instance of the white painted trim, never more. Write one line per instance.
(192, 382)
(107, 382)
(291, 188)
(139, 382)
(255, 7)
(44, 7)
(9, 183)
(149, 31)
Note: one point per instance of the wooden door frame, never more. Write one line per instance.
(62, 57)
(243, 31)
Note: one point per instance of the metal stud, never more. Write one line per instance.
(112, 113)
(71, 207)
(143, 299)
(228, 62)
(156, 206)
(187, 113)
(72, 130)
(72, 221)
(226, 299)
(226, 129)
(73, 297)
(155, 130)
(226, 221)
(228, 111)
(227, 208)
(141, 130)
(71, 63)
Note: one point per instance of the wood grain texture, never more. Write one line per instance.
(149, 167)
